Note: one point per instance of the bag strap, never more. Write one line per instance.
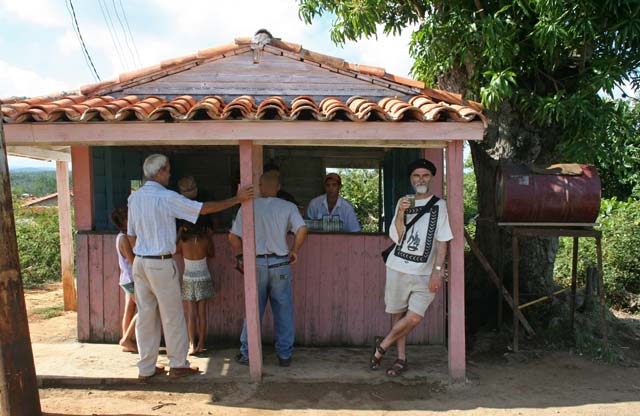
(434, 199)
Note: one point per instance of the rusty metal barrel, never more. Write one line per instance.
(563, 193)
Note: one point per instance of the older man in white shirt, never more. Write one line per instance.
(332, 204)
(153, 211)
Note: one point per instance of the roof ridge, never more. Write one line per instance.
(185, 62)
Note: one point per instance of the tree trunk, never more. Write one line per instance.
(508, 139)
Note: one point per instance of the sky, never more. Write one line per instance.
(40, 52)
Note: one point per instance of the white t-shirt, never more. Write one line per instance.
(273, 217)
(415, 253)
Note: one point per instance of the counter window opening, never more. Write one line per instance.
(372, 178)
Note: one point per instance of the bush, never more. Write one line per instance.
(38, 245)
(620, 225)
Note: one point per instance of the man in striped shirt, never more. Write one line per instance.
(153, 211)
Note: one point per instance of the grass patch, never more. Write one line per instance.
(48, 312)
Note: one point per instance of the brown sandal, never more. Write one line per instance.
(399, 366)
(374, 362)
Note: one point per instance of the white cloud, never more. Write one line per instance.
(223, 21)
(24, 82)
(37, 12)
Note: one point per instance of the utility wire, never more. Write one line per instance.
(82, 44)
(114, 35)
(130, 34)
(124, 32)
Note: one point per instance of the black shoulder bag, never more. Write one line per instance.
(387, 251)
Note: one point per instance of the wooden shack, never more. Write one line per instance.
(219, 114)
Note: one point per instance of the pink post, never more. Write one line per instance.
(82, 187)
(250, 164)
(455, 204)
(437, 157)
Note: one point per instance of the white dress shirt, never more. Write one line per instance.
(318, 208)
(153, 210)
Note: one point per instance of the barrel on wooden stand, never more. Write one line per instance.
(563, 193)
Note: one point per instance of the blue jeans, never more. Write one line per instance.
(274, 284)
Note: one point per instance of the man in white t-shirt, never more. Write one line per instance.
(415, 266)
(274, 218)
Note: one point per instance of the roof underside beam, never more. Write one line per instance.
(39, 153)
(372, 134)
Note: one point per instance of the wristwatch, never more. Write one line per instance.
(438, 268)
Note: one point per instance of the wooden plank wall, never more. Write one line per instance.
(338, 289)
(273, 76)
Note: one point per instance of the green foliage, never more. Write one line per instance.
(620, 226)
(360, 187)
(38, 184)
(550, 58)
(614, 149)
(49, 312)
(470, 192)
(38, 245)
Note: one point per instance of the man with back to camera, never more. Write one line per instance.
(153, 211)
(274, 218)
(415, 266)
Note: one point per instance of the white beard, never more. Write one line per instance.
(421, 189)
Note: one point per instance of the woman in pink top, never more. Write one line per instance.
(125, 261)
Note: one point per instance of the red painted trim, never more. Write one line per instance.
(455, 205)
(231, 132)
(248, 168)
(437, 157)
(82, 173)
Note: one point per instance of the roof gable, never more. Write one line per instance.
(275, 74)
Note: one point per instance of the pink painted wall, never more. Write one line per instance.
(338, 293)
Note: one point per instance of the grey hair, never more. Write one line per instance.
(152, 165)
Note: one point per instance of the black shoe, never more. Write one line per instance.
(284, 362)
(242, 359)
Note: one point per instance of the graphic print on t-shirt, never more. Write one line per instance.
(412, 238)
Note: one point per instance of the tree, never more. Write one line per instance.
(540, 68)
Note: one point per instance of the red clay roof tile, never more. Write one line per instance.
(132, 108)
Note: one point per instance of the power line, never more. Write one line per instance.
(126, 40)
(79, 34)
(114, 36)
(106, 14)
(130, 34)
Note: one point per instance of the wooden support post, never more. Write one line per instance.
(516, 291)
(250, 169)
(66, 236)
(18, 384)
(574, 279)
(82, 187)
(455, 205)
(502, 292)
(601, 295)
(436, 156)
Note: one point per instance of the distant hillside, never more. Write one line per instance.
(22, 170)
(35, 181)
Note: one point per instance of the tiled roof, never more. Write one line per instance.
(99, 102)
(184, 108)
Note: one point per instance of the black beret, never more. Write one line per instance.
(422, 163)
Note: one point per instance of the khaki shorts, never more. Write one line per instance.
(407, 292)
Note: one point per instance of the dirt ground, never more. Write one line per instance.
(530, 383)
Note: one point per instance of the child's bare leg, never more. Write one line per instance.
(202, 324)
(128, 326)
(191, 326)
(129, 344)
